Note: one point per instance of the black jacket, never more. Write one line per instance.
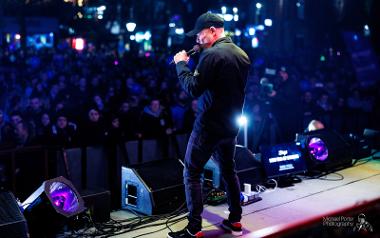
(219, 81)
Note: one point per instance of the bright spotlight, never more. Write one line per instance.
(268, 22)
(78, 43)
(237, 32)
(179, 31)
(131, 26)
(228, 17)
(224, 9)
(255, 42)
(101, 8)
(251, 31)
(259, 5)
(242, 121)
(235, 10)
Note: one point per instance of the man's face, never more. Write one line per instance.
(45, 119)
(93, 115)
(62, 122)
(15, 119)
(35, 103)
(155, 105)
(205, 38)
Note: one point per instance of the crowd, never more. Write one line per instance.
(71, 98)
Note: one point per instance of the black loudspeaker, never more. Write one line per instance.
(12, 221)
(325, 150)
(98, 202)
(248, 168)
(153, 188)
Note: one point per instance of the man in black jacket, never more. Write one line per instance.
(219, 81)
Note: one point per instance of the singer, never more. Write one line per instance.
(219, 81)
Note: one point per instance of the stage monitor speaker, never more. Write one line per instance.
(153, 188)
(325, 150)
(12, 221)
(98, 202)
(248, 168)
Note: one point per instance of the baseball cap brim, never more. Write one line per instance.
(193, 32)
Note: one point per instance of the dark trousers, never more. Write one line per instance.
(199, 150)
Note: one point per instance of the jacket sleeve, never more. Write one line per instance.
(195, 83)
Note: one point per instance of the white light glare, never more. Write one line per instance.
(228, 17)
(236, 17)
(251, 31)
(179, 31)
(259, 5)
(147, 35)
(268, 22)
(224, 10)
(171, 24)
(79, 44)
(237, 32)
(242, 120)
(260, 27)
(235, 10)
(255, 42)
(101, 8)
(131, 26)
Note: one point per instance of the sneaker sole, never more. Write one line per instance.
(235, 233)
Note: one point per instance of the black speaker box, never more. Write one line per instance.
(12, 221)
(98, 203)
(248, 168)
(153, 188)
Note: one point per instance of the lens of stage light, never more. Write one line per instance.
(63, 197)
(318, 149)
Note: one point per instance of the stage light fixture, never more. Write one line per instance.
(325, 150)
(51, 206)
(318, 149)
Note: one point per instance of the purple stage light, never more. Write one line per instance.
(63, 197)
(318, 149)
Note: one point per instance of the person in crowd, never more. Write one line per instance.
(155, 121)
(309, 109)
(93, 131)
(219, 81)
(325, 108)
(44, 130)
(178, 111)
(64, 133)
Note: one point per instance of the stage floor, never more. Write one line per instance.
(303, 201)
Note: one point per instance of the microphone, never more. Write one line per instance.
(194, 50)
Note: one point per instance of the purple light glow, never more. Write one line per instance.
(63, 197)
(318, 149)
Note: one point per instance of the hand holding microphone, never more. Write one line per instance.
(185, 55)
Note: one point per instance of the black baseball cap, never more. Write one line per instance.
(206, 20)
